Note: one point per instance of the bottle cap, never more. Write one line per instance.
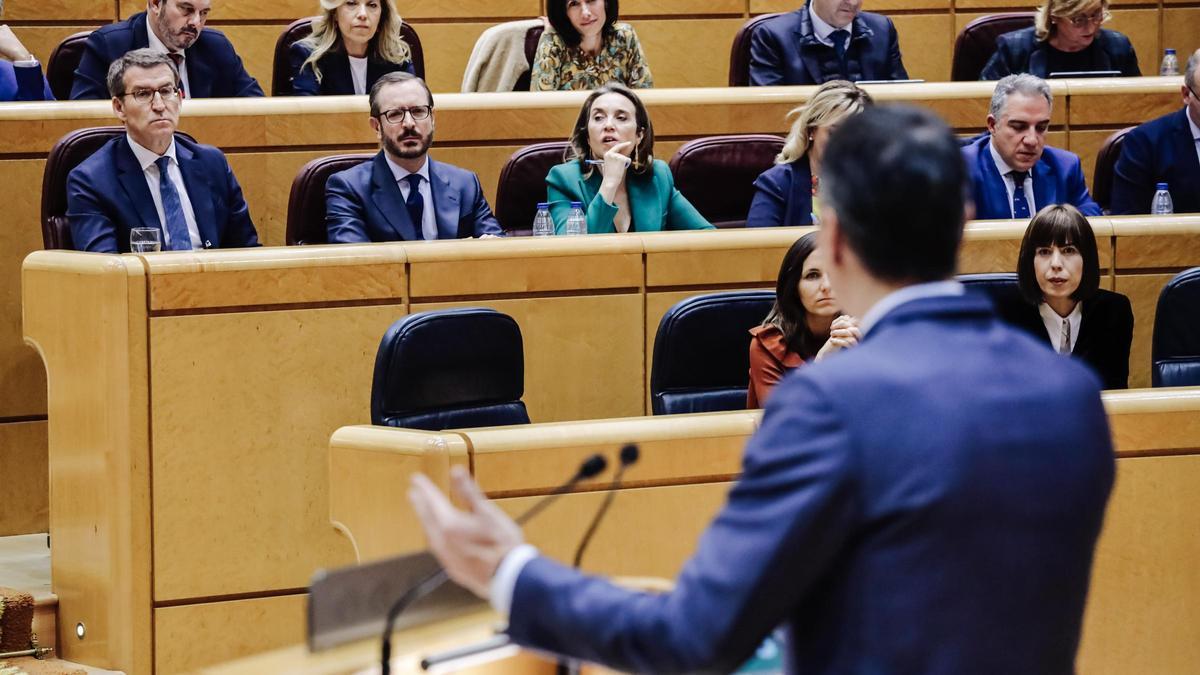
(543, 205)
(1160, 186)
(1170, 51)
(575, 205)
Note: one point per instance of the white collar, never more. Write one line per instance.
(1001, 165)
(146, 158)
(884, 306)
(156, 44)
(1053, 322)
(823, 30)
(400, 173)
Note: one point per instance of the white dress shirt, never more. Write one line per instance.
(146, 159)
(822, 30)
(1010, 184)
(428, 216)
(1195, 132)
(158, 46)
(1054, 325)
(358, 73)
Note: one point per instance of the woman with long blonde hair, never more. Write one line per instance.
(1066, 37)
(353, 44)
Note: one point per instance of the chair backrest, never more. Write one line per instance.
(306, 203)
(1002, 289)
(1175, 347)
(66, 154)
(739, 52)
(523, 184)
(450, 369)
(281, 68)
(1106, 159)
(977, 41)
(60, 71)
(717, 173)
(702, 352)
(532, 37)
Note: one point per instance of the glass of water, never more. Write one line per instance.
(144, 240)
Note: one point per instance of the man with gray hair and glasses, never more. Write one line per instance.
(20, 73)
(1165, 150)
(151, 178)
(1013, 172)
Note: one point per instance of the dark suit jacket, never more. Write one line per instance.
(1159, 151)
(23, 84)
(1057, 179)
(1105, 333)
(882, 516)
(336, 79)
(364, 203)
(214, 69)
(785, 50)
(107, 196)
(1021, 52)
(782, 196)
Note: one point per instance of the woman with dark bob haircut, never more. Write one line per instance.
(587, 48)
(804, 325)
(609, 167)
(1058, 271)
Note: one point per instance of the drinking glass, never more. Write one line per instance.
(144, 240)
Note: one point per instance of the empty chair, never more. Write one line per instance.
(1175, 348)
(60, 71)
(977, 41)
(281, 68)
(523, 184)
(702, 352)
(1001, 288)
(1106, 159)
(450, 369)
(739, 52)
(717, 173)
(306, 203)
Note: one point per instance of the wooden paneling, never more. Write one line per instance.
(1181, 32)
(193, 636)
(1157, 243)
(41, 40)
(925, 57)
(1101, 102)
(631, 8)
(21, 371)
(703, 45)
(25, 506)
(59, 10)
(255, 44)
(1141, 27)
(447, 46)
(1143, 290)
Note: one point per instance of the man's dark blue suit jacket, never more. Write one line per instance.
(23, 84)
(925, 502)
(364, 203)
(785, 50)
(1057, 179)
(1159, 151)
(107, 195)
(214, 69)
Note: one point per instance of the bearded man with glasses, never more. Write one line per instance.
(149, 177)
(402, 194)
(1066, 38)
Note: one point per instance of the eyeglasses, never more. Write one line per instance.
(1193, 91)
(396, 115)
(168, 92)
(1087, 19)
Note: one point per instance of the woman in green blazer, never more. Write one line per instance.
(610, 168)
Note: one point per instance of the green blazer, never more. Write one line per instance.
(656, 204)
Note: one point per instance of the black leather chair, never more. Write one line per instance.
(716, 173)
(977, 41)
(60, 70)
(532, 37)
(1001, 288)
(306, 202)
(281, 68)
(1106, 160)
(450, 369)
(1175, 348)
(523, 184)
(702, 352)
(739, 52)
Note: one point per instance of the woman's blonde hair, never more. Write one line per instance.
(386, 45)
(1043, 24)
(833, 102)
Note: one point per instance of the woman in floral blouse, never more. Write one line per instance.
(588, 49)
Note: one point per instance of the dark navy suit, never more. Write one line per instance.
(107, 195)
(335, 72)
(364, 203)
(1105, 333)
(782, 196)
(785, 50)
(214, 69)
(1057, 179)
(1159, 151)
(916, 504)
(1021, 52)
(23, 84)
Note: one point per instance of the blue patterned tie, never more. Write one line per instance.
(415, 203)
(1020, 206)
(176, 224)
(839, 38)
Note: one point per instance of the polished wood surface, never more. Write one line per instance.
(25, 506)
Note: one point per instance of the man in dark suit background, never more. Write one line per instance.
(1164, 150)
(21, 76)
(207, 63)
(402, 194)
(825, 40)
(1013, 172)
(198, 204)
(916, 504)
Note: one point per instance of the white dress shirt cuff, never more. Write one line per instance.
(504, 581)
(28, 62)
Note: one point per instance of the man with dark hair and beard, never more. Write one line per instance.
(402, 194)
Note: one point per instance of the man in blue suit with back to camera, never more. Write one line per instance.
(1013, 172)
(402, 194)
(1164, 150)
(121, 186)
(916, 504)
(825, 40)
(207, 63)
(21, 76)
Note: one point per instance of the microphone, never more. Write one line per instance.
(589, 468)
(629, 455)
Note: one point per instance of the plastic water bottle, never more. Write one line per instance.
(576, 221)
(1170, 63)
(543, 226)
(1162, 204)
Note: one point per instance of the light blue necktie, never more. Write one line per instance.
(176, 224)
